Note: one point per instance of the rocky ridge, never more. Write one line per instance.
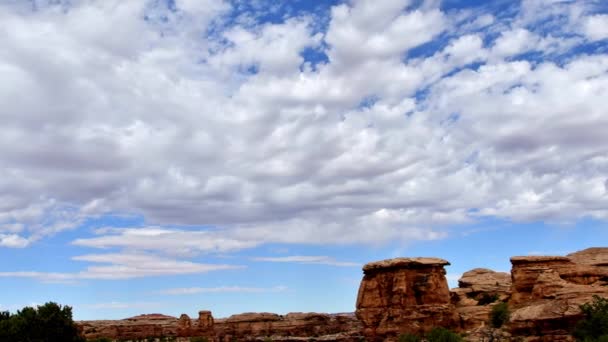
(410, 295)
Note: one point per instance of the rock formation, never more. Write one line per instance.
(410, 295)
(477, 291)
(404, 295)
(304, 325)
(241, 327)
(547, 291)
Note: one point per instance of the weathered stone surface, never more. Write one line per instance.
(483, 280)
(547, 291)
(242, 327)
(479, 289)
(597, 256)
(404, 295)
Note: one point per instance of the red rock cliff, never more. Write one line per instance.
(404, 295)
(547, 292)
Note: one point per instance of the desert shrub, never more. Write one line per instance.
(443, 335)
(47, 323)
(594, 326)
(199, 339)
(409, 338)
(487, 298)
(499, 315)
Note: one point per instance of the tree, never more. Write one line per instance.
(499, 315)
(594, 326)
(46, 323)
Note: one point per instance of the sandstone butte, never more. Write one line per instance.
(409, 295)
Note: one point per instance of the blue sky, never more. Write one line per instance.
(179, 155)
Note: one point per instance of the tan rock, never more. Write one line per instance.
(547, 291)
(473, 298)
(404, 295)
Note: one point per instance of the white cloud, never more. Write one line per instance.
(308, 259)
(149, 118)
(122, 266)
(364, 31)
(596, 26)
(222, 289)
(13, 240)
(515, 42)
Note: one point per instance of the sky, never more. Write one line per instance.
(173, 156)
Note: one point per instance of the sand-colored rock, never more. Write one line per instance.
(404, 295)
(548, 291)
(302, 325)
(478, 290)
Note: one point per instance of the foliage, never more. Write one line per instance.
(409, 338)
(487, 298)
(46, 323)
(499, 315)
(199, 339)
(443, 335)
(594, 326)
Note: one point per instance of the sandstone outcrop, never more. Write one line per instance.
(242, 327)
(410, 295)
(478, 290)
(145, 326)
(547, 292)
(404, 295)
(304, 325)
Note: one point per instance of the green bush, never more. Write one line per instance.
(500, 315)
(46, 323)
(409, 338)
(594, 326)
(443, 335)
(199, 339)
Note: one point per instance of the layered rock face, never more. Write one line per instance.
(242, 327)
(478, 290)
(404, 295)
(293, 326)
(145, 326)
(547, 292)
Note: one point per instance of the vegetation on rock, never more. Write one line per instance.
(499, 315)
(438, 334)
(409, 338)
(442, 335)
(594, 326)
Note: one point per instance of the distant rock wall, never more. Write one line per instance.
(242, 327)
(410, 295)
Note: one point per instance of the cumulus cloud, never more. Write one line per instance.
(185, 118)
(596, 27)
